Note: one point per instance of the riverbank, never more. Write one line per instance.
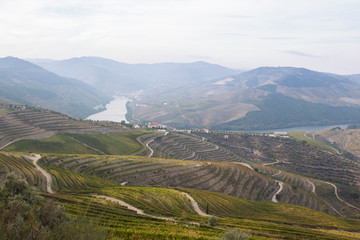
(115, 111)
(296, 129)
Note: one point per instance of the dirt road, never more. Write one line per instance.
(337, 196)
(196, 206)
(273, 199)
(34, 159)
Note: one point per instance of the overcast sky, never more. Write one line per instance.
(322, 35)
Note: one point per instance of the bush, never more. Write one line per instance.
(235, 234)
(26, 215)
(324, 209)
(212, 221)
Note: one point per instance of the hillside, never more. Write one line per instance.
(113, 143)
(168, 212)
(284, 154)
(115, 77)
(24, 122)
(262, 98)
(25, 83)
(347, 140)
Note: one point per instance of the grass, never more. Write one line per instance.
(300, 136)
(121, 143)
(55, 144)
(113, 143)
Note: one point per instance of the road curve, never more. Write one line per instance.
(279, 172)
(273, 199)
(337, 196)
(141, 212)
(147, 145)
(130, 207)
(313, 188)
(245, 164)
(196, 206)
(34, 159)
(272, 163)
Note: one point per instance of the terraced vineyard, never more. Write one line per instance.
(286, 221)
(228, 178)
(346, 139)
(24, 122)
(291, 155)
(111, 143)
(228, 206)
(264, 220)
(23, 167)
(181, 146)
(126, 224)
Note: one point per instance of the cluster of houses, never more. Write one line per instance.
(201, 130)
(162, 126)
(159, 126)
(156, 125)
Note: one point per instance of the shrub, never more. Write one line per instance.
(212, 221)
(26, 215)
(324, 209)
(235, 234)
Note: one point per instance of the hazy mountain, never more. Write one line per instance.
(267, 97)
(26, 83)
(355, 78)
(115, 77)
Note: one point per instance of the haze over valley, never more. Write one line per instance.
(212, 120)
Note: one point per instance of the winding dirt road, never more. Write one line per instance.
(147, 145)
(130, 207)
(141, 212)
(337, 196)
(196, 206)
(34, 159)
(279, 172)
(313, 188)
(151, 151)
(273, 199)
(245, 164)
(272, 163)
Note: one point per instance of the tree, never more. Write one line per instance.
(26, 215)
(212, 221)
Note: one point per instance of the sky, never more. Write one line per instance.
(322, 35)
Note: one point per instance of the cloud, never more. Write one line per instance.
(279, 38)
(68, 11)
(239, 16)
(301, 54)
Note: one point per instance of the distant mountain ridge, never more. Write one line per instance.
(26, 83)
(114, 77)
(263, 98)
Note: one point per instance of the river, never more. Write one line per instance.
(299, 129)
(115, 111)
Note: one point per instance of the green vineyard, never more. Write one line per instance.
(264, 220)
(228, 178)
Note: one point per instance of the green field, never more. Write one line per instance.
(113, 143)
(263, 220)
(300, 136)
